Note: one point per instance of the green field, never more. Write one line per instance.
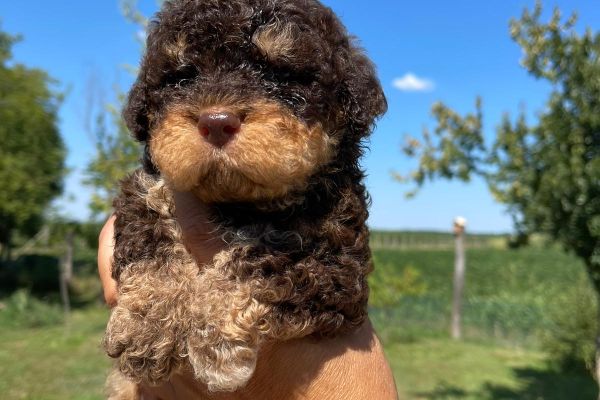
(510, 295)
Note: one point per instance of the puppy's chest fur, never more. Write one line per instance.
(293, 272)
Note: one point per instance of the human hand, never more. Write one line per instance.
(106, 247)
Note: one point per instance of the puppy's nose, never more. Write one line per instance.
(219, 127)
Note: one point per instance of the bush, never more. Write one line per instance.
(22, 309)
(388, 286)
(517, 241)
(570, 338)
(35, 272)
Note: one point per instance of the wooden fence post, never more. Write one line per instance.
(459, 276)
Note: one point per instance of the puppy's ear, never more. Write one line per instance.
(136, 111)
(364, 99)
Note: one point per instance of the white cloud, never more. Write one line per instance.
(412, 83)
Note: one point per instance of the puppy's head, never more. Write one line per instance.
(245, 100)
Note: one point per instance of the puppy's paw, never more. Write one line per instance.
(145, 351)
(225, 366)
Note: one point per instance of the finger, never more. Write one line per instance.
(106, 244)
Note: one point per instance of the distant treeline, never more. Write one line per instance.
(381, 239)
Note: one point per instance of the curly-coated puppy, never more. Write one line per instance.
(260, 108)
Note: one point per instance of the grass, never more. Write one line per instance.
(508, 298)
(66, 362)
(55, 362)
(441, 369)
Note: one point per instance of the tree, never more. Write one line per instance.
(32, 152)
(547, 174)
(117, 153)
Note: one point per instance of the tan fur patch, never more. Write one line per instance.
(176, 50)
(275, 41)
(273, 153)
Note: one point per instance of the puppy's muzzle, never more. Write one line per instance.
(219, 127)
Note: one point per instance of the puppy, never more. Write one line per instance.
(260, 108)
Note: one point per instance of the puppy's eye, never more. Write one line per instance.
(286, 76)
(181, 76)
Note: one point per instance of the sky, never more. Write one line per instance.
(425, 51)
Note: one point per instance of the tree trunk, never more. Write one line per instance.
(459, 284)
(4, 245)
(66, 273)
(5, 254)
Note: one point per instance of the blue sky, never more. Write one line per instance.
(450, 50)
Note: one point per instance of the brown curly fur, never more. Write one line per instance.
(286, 194)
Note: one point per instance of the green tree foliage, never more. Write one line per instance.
(572, 324)
(117, 153)
(32, 152)
(547, 174)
